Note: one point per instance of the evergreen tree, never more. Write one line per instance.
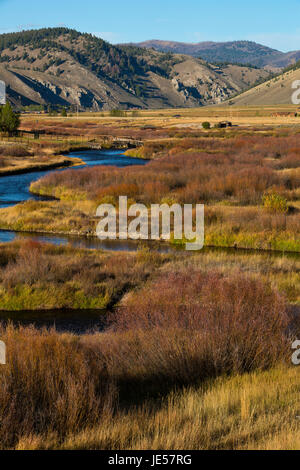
(9, 120)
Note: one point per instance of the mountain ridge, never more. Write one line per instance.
(247, 52)
(276, 91)
(63, 67)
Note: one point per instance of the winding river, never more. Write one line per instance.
(15, 189)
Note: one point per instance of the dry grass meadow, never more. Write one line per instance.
(196, 350)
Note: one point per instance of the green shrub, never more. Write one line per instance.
(275, 203)
(9, 120)
(206, 125)
(117, 113)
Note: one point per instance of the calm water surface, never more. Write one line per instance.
(15, 189)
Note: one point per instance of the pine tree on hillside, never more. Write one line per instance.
(9, 120)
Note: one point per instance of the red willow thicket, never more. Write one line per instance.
(191, 325)
(195, 170)
(54, 384)
(37, 265)
(51, 384)
(92, 129)
(14, 151)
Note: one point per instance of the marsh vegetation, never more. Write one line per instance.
(196, 350)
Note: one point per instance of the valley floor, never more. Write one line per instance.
(196, 351)
(247, 177)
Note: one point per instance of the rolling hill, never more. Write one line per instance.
(276, 91)
(243, 52)
(63, 67)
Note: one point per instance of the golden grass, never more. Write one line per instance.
(34, 276)
(123, 389)
(282, 271)
(231, 172)
(253, 411)
(70, 217)
(24, 165)
(240, 115)
(49, 383)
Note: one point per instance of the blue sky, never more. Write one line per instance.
(273, 23)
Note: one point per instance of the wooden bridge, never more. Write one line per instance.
(117, 142)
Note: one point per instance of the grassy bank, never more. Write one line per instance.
(196, 353)
(224, 227)
(249, 185)
(249, 412)
(17, 167)
(196, 356)
(210, 373)
(44, 277)
(35, 276)
(24, 158)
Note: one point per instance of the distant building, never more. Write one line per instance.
(224, 124)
